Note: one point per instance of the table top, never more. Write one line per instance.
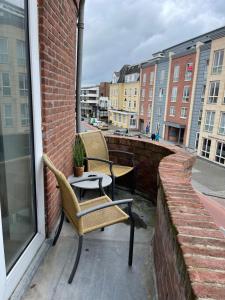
(90, 184)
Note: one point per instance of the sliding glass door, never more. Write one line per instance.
(17, 156)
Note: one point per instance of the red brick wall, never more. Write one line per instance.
(189, 249)
(145, 101)
(104, 89)
(57, 39)
(181, 61)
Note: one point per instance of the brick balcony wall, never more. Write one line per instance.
(189, 249)
(57, 41)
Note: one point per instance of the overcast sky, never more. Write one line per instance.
(119, 32)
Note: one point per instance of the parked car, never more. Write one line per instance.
(103, 126)
(120, 131)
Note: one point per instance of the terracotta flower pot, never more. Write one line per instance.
(78, 171)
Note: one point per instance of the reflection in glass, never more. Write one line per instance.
(17, 191)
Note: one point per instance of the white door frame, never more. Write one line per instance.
(9, 282)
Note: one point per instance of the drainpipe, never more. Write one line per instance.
(80, 26)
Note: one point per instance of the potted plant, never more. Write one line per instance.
(78, 157)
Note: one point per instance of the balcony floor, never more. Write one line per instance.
(103, 272)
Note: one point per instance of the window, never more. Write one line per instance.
(132, 121)
(199, 117)
(142, 109)
(8, 115)
(217, 61)
(162, 76)
(172, 111)
(188, 71)
(222, 124)
(125, 91)
(213, 91)
(129, 104)
(197, 140)
(220, 153)
(206, 148)
(20, 52)
(203, 93)
(160, 93)
(186, 94)
(150, 93)
(183, 112)
(159, 111)
(23, 84)
(152, 75)
(134, 104)
(174, 94)
(120, 118)
(209, 121)
(144, 78)
(3, 51)
(176, 73)
(143, 93)
(24, 114)
(149, 109)
(135, 91)
(6, 89)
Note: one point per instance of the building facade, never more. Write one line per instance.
(89, 101)
(212, 133)
(147, 94)
(124, 97)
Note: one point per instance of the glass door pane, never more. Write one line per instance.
(17, 182)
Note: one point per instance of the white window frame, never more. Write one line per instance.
(197, 135)
(217, 61)
(206, 152)
(152, 77)
(21, 59)
(143, 93)
(176, 73)
(24, 116)
(172, 111)
(142, 109)
(150, 93)
(6, 86)
(174, 95)
(5, 54)
(183, 113)
(221, 129)
(220, 156)
(6, 117)
(188, 74)
(23, 90)
(213, 86)
(186, 96)
(203, 93)
(200, 117)
(8, 283)
(209, 124)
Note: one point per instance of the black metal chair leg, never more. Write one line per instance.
(58, 229)
(131, 244)
(113, 187)
(77, 259)
(133, 181)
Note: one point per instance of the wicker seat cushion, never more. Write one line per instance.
(101, 218)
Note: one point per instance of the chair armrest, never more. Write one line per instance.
(104, 161)
(99, 178)
(99, 159)
(102, 206)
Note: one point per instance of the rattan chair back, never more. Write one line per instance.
(95, 146)
(70, 203)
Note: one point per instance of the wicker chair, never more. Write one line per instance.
(98, 158)
(89, 215)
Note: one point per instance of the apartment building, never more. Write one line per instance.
(147, 91)
(179, 96)
(124, 97)
(103, 102)
(212, 133)
(89, 101)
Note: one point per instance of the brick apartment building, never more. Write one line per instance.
(38, 44)
(147, 91)
(179, 96)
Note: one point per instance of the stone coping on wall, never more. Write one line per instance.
(198, 238)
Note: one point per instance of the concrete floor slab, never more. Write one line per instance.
(103, 272)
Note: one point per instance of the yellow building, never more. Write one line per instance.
(212, 134)
(124, 97)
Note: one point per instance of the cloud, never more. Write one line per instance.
(122, 32)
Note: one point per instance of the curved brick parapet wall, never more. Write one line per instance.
(189, 249)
